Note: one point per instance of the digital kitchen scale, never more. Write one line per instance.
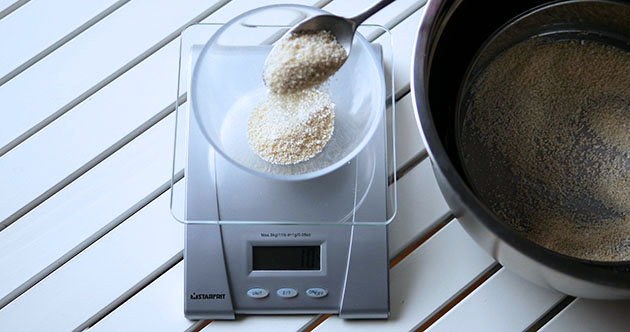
(262, 245)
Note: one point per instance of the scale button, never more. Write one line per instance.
(316, 292)
(287, 292)
(257, 293)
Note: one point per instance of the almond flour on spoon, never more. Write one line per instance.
(303, 60)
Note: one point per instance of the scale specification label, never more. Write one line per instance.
(293, 235)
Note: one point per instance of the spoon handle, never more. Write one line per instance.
(369, 12)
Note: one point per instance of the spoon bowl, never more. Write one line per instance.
(342, 28)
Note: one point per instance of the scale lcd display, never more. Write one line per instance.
(286, 258)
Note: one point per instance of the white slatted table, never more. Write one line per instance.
(86, 237)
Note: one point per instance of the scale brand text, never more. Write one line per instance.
(207, 296)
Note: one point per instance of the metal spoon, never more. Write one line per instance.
(342, 28)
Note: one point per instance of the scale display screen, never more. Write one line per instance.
(286, 258)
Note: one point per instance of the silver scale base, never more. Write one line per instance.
(220, 278)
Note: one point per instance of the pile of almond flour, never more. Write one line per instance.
(291, 128)
(545, 143)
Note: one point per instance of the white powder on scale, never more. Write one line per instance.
(295, 121)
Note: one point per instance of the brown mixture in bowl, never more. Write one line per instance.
(545, 143)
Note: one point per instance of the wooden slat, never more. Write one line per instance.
(28, 36)
(591, 315)
(119, 183)
(425, 280)
(505, 302)
(98, 275)
(95, 57)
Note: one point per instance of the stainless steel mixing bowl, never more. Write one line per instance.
(449, 39)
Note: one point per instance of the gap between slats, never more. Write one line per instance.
(108, 79)
(460, 296)
(409, 165)
(61, 42)
(13, 7)
(549, 315)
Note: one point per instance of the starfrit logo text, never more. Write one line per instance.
(207, 296)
